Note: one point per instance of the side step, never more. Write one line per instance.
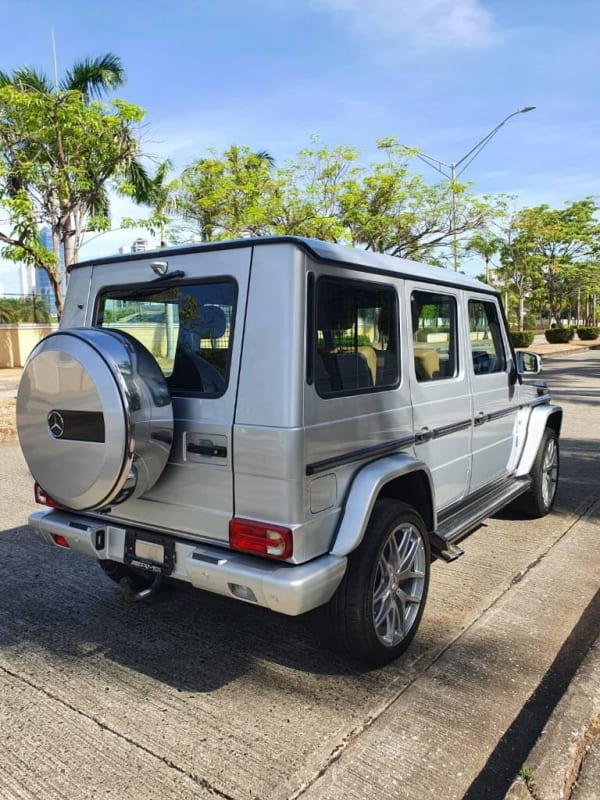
(467, 518)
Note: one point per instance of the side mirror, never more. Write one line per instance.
(528, 363)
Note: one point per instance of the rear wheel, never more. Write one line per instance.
(377, 609)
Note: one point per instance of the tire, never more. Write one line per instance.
(369, 618)
(544, 477)
(117, 571)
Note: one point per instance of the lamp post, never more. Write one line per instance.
(456, 168)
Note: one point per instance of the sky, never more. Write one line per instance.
(269, 74)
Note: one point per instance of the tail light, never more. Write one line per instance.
(261, 538)
(42, 498)
(60, 540)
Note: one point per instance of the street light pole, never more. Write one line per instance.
(456, 168)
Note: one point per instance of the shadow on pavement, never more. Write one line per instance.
(513, 748)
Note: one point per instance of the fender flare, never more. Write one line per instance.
(539, 420)
(363, 493)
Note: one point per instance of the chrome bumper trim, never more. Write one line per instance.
(287, 588)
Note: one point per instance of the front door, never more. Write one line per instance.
(494, 401)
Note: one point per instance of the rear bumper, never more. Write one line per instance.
(286, 588)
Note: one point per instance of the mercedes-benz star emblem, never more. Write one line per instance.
(56, 424)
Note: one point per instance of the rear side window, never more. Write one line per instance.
(486, 339)
(356, 337)
(188, 329)
(434, 336)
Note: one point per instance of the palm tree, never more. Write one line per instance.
(92, 78)
(486, 245)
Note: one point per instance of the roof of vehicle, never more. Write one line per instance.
(320, 251)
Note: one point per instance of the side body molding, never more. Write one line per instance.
(539, 420)
(363, 493)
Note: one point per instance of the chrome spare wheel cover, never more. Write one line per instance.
(399, 584)
(94, 417)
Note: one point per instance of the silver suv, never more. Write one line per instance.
(285, 422)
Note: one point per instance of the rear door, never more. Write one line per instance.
(193, 326)
(440, 390)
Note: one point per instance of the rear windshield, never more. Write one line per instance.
(187, 328)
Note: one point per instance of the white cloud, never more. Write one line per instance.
(418, 23)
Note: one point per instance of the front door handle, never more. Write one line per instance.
(424, 435)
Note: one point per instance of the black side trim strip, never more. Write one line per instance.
(356, 455)
(454, 427)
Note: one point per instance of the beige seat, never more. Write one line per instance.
(427, 364)
(370, 355)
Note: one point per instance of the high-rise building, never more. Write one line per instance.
(43, 286)
(27, 278)
(139, 245)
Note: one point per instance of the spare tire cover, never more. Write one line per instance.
(94, 417)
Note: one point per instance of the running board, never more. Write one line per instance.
(467, 518)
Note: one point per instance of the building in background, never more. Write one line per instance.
(43, 286)
(140, 245)
(26, 278)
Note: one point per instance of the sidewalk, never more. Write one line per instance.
(565, 762)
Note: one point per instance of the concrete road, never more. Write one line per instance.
(198, 696)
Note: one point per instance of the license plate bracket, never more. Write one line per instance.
(150, 551)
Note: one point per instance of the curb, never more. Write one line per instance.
(554, 764)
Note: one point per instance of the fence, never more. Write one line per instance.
(36, 308)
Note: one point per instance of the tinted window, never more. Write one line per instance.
(188, 329)
(356, 337)
(434, 336)
(486, 338)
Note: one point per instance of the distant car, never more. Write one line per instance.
(298, 425)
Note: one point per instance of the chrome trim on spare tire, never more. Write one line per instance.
(94, 417)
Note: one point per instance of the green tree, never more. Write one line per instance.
(486, 245)
(60, 148)
(160, 197)
(558, 245)
(224, 197)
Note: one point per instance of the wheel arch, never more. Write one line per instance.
(401, 477)
(541, 417)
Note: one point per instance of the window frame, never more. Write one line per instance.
(157, 288)
(506, 356)
(313, 286)
(454, 345)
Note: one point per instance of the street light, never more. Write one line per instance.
(463, 163)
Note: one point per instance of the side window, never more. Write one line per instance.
(434, 336)
(486, 338)
(356, 337)
(188, 329)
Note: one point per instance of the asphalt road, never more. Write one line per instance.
(198, 696)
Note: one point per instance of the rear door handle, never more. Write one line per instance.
(207, 449)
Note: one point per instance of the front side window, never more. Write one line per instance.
(356, 337)
(434, 336)
(188, 329)
(486, 338)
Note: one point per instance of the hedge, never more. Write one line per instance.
(522, 338)
(559, 335)
(588, 333)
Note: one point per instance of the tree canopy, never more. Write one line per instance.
(59, 150)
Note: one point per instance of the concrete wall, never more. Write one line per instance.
(17, 341)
